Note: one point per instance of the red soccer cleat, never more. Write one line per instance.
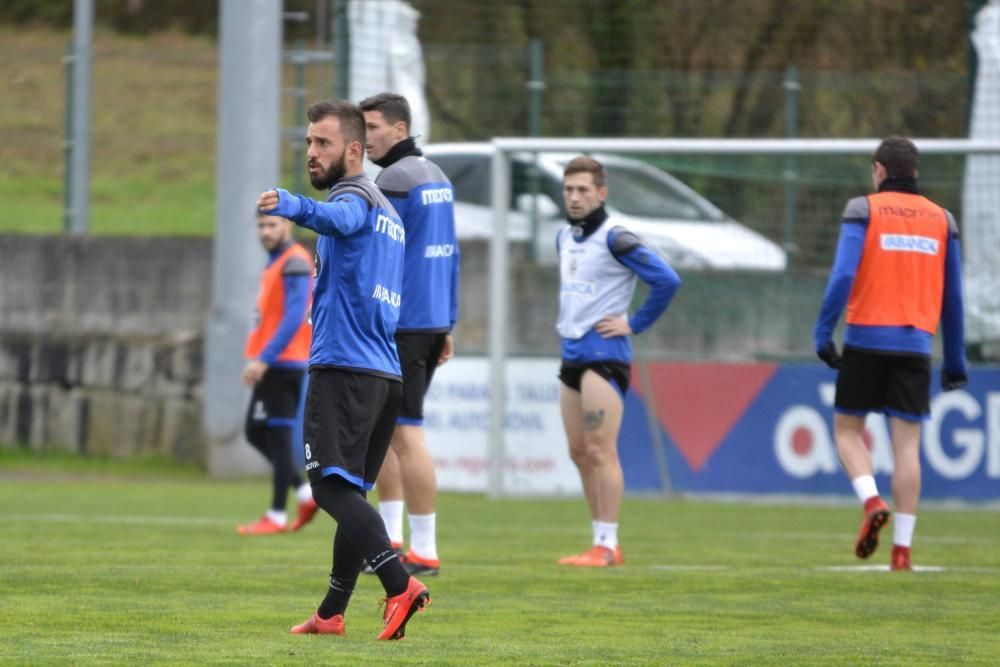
(307, 510)
(263, 526)
(595, 556)
(876, 515)
(399, 609)
(415, 564)
(314, 625)
(900, 559)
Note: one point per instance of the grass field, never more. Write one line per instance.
(143, 568)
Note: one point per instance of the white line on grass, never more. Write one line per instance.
(916, 568)
(691, 568)
(836, 537)
(117, 519)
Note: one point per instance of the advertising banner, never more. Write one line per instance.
(719, 428)
(457, 426)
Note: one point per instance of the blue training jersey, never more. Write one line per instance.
(423, 196)
(359, 279)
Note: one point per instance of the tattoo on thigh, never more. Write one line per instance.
(592, 419)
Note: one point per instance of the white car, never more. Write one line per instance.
(687, 229)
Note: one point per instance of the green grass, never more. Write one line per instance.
(103, 569)
(25, 462)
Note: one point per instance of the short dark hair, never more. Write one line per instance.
(352, 121)
(588, 165)
(393, 107)
(899, 156)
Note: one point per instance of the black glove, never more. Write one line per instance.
(952, 381)
(828, 353)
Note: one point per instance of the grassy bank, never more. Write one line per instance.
(154, 128)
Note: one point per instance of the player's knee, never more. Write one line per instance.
(579, 455)
(600, 451)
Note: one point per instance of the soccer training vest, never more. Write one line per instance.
(592, 283)
(271, 308)
(900, 280)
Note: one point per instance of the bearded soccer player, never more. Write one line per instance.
(599, 264)
(354, 378)
(899, 273)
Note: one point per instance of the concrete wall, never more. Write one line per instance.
(100, 344)
(101, 338)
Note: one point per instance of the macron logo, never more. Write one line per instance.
(386, 296)
(386, 225)
(909, 243)
(438, 196)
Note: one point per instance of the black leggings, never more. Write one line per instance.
(360, 536)
(275, 443)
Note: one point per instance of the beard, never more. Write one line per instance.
(325, 178)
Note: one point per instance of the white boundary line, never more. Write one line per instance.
(692, 568)
(117, 519)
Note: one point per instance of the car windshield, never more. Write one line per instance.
(639, 193)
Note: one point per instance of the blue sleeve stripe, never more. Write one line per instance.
(409, 421)
(280, 421)
(854, 221)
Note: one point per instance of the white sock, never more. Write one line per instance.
(277, 516)
(304, 493)
(902, 533)
(392, 516)
(595, 527)
(865, 487)
(607, 535)
(423, 535)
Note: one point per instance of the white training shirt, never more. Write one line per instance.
(593, 283)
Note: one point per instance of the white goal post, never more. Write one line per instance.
(500, 175)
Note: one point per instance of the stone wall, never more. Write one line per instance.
(100, 343)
